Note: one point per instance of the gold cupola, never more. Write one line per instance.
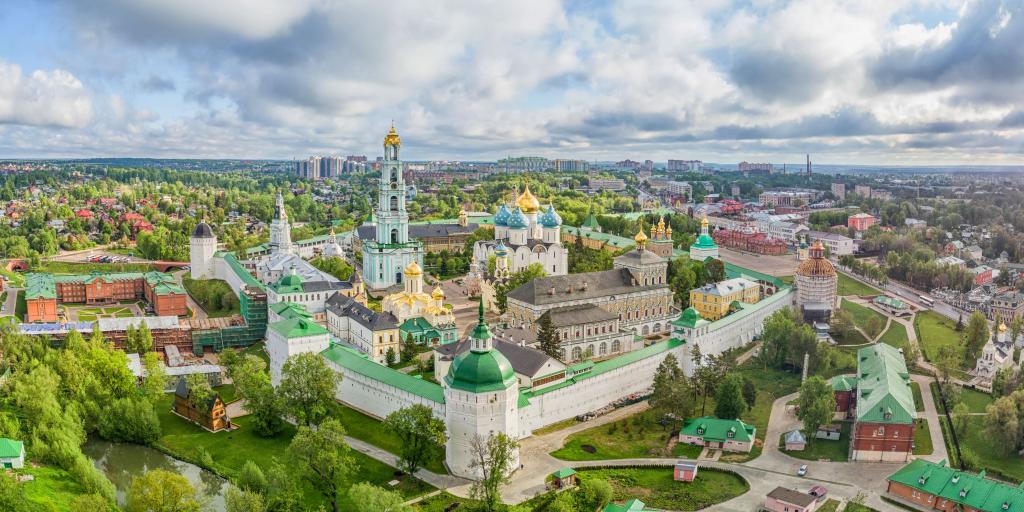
(413, 269)
(640, 239)
(527, 202)
(392, 138)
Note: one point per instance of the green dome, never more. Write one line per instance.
(478, 372)
(689, 318)
(704, 242)
(288, 283)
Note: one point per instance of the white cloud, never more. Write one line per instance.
(42, 98)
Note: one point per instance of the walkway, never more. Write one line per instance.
(453, 484)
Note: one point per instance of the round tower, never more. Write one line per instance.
(481, 396)
(202, 245)
(552, 226)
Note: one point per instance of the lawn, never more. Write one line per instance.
(554, 427)
(861, 314)
(92, 313)
(850, 286)
(371, 430)
(52, 489)
(829, 506)
(933, 332)
(1010, 466)
(855, 338)
(918, 399)
(895, 335)
(231, 450)
(976, 400)
(20, 306)
(857, 507)
(922, 438)
(642, 436)
(656, 488)
(66, 267)
(823, 449)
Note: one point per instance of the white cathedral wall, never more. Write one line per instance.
(377, 398)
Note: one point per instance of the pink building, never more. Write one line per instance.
(861, 221)
(684, 472)
(789, 500)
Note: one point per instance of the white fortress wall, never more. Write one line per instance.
(375, 397)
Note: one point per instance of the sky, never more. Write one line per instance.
(927, 82)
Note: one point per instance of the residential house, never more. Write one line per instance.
(211, 415)
(782, 499)
(12, 454)
(719, 434)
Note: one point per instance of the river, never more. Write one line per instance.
(121, 462)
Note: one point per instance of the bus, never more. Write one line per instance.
(928, 301)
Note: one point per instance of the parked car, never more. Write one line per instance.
(802, 471)
(818, 491)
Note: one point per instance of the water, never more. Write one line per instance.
(121, 462)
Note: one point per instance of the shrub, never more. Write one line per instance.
(130, 420)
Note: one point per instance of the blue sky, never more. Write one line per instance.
(858, 81)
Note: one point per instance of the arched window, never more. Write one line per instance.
(603, 349)
(394, 203)
(577, 353)
(394, 236)
(645, 331)
(616, 346)
(394, 175)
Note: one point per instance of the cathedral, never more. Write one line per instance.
(420, 314)
(391, 249)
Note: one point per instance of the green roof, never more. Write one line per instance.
(607, 238)
(633, 505)
(355, 361)
(415, 325)
(704, 242)
(972, 490)
(717, 429)
(10, 449)
(287, 310)
(564, 473)
(883, 386)
(889, 301)
(591, 222)
(44, 285)
(40, 286)
(289, 283)
(689, 318)
(240, 271)
(297, 327)
(843, 383)
(480, 371)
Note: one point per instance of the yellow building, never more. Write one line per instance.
(713, 300)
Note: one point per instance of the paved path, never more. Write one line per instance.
(11, 302)
(453, 484)
(931, 414)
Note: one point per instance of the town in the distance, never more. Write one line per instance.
(382, 333)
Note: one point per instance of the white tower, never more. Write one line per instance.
(481, 396)
(201, 247)
(280, 230)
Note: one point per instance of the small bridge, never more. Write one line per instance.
(164, 266)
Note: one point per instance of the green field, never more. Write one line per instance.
(933, 332)
(93, 313)
(895, 335)
(823, 449)
(861, 314)
(1010, 466)
(642, 436)
(371, 430)
(849, 286)
(231, 450)
(922, 438)
(976, 400)
(918, 399)
(829, 506)
(856, 507)
(656, 488)
(52, 489)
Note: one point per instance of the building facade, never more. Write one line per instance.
(817, 284)
(714, 300)
(885, 414)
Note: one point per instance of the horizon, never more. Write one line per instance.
(908, 83)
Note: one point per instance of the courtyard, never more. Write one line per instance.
(83, 313)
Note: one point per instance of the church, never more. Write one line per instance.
(391, 249)
(420, 314)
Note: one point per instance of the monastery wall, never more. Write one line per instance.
(375, 397)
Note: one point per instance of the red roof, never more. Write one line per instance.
(83, 214)
(132, 216)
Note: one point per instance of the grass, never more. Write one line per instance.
(20, 306)
(372, 430)
(824, 449)
(1009, 466)
(933, 332)
(209, 294)
(642, 436)
(918, 398)
(231, 450)
(554, 427)
(857, 507)
(92, 313)
(861, 314)
(67, 267)
(855, 338)
(440, 503)
(656, 488)
(52, 489)
(256, 349)
(976, 400)
(829, 506)
(786, 279)
(895, 335)
(922, 438)
(850, 286)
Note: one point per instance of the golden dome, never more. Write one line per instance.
(413, 269)
(640, 237)
(1002, 327)
(438, 293)
(668, 230)
(704, 221)
(392, 138)
(527, 202)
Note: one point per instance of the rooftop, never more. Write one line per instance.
(883, 386)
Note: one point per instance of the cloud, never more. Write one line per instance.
(43, 98)
(156, 83)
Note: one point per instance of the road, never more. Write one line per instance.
(908, 294)
(11, 302)
(85, 254)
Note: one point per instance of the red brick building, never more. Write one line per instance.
(883, 405)
(754, 242)
(44, 291)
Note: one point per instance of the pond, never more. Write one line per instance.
(121, 462)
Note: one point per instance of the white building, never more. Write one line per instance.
(785, 231)
(997, 354)
(529, 237)
(291, 336)
(838, 245)
(201, 247)
(370, 332)
(12, 454)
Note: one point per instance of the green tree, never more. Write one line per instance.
(371, 497)
(594, 494)
(515, 280)
(307, 388)
(842, 324)
(975, 336)
(90, 502)
(817, 404)
(130, 420)
(12, 494)
(265, 406)
(156, 378)
(749, 392)
(947, 360)
(547, 336)
(729, 403)
(961, 419)
(408, 347)
(492, 460)
(1002, 424)
(323, 459)
(10, 427)
(162, 491)
(283, 491)
(251, 478)
(421, 433)
(670, 392)
(237, 500)
(715, 270)
(873, 327)
(144, 341)
(391, 357)
(199, 391)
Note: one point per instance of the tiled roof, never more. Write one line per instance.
(883, 387)
(354, 361)
(347, 307)
(972, 490)
(525, 361)
(579, 314)
(717, 429)
(599, 284)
